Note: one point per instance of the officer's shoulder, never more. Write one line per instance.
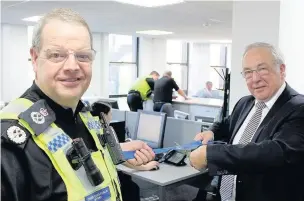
(13, 133)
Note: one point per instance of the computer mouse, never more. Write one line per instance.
(155, 168)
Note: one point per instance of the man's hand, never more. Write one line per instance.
(143, 153)
(205, 136)
(198, 158)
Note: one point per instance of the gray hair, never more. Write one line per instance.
(62, 14)
(208, 82)
(168, 73)
(277, 55)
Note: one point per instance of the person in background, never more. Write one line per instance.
(50, 146)
(163, 91)
(207, 92)
(264, 157)
(141, 91)
(127, 185)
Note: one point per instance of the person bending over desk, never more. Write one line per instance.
(141, 91)
(264, 157)
(163, 89)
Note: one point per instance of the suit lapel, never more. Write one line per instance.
(283, 98)
(242, 118)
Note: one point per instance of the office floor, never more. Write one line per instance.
(181, 193)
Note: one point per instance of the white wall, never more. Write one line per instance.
(16, 74)
(100, 78)
(152, 55)
(199, 67)
(292, 41)
(252, 22)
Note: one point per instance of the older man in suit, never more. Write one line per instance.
(264, 157)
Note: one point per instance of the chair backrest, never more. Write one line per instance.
(168, 109)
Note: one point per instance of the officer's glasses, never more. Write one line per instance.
(61, 55)
(261, 71)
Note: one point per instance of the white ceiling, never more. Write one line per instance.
(186, 20)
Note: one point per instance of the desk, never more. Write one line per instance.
(164, 177)
(206, 107)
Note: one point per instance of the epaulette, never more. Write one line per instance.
(39, 116)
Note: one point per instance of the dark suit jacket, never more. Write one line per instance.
(271, 167)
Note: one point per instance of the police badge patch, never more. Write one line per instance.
(16, 134)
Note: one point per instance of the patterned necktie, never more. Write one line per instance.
(227, 182)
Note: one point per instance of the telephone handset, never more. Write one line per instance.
(175, 157)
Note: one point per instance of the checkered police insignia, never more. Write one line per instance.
(16, 134)
(94, 124)
(58, 142)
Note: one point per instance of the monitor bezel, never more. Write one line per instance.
(160, 142)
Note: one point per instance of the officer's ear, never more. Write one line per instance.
(34, 57)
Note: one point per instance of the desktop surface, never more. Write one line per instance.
(201, 101)
(165, 175)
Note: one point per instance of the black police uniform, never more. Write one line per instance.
(163, 89)
(27, 173)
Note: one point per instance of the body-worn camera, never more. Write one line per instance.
(79, 155)
(109, 139)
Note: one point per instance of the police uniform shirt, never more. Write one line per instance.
(163, 89)
(150, 82)
(27, 172)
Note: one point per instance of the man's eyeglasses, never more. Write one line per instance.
(261, 71)
(60, 55)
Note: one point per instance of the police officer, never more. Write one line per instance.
(141, 91)
(49, 140)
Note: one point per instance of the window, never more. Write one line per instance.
(218, 60)
(177, 62)
(204, 59)
(123, 63)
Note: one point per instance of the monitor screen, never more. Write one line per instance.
(151, 127)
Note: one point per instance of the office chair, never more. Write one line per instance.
(168, 109)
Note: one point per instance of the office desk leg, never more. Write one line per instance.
(162, 193)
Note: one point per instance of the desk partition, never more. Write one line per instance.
(131, 119)
(180, 131)
(177, 130)
(118, 115)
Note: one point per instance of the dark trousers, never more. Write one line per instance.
(129, 189)
(204, 185)
(157, 106)
(135, 102)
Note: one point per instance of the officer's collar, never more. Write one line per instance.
(55, 106)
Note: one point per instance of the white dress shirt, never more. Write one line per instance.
(240, 132)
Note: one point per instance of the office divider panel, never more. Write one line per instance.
(131, 119)
(180, 131)
(118, 115)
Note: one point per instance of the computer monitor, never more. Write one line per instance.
(120, 129)
(150, 128)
